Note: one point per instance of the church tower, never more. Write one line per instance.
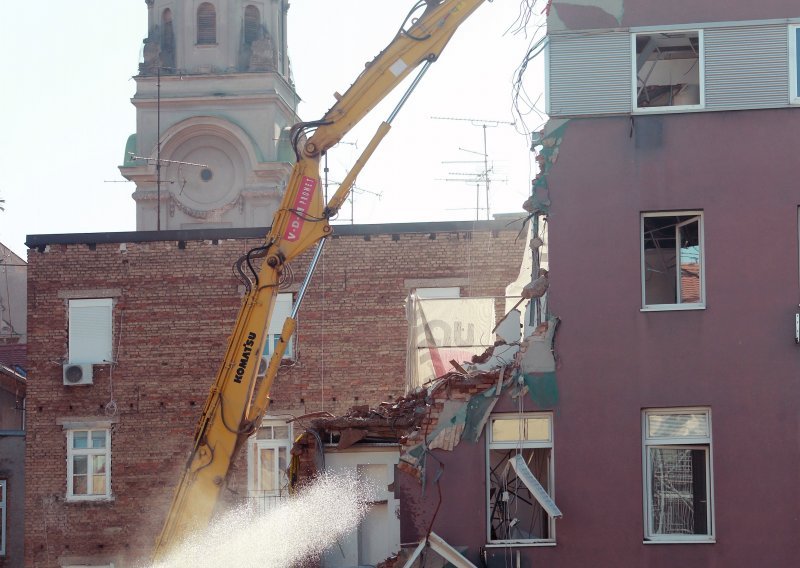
(214, 101)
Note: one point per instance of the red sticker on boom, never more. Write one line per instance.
(301, 204)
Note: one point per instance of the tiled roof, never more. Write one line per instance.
(14, 355)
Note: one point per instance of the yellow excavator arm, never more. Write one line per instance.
(239, 398)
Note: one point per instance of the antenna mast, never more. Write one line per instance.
(485, 175)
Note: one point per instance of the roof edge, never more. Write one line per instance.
(506, 223)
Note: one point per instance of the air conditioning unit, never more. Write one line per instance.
(263, 363)
(77, 374)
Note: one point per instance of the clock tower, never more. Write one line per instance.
(214, 101)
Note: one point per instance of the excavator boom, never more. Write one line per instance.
(239, 397)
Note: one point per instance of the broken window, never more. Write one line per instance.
(672, 260)
(677, 448)
(206, 24)
(794, 71)
(520, 471)
(268, 459)
(669, 69)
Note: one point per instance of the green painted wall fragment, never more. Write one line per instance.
(478, 409)
(543, 388)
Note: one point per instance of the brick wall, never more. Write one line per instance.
(174, 305)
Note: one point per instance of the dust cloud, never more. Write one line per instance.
(299, 529)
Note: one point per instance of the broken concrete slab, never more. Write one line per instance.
(536, 350)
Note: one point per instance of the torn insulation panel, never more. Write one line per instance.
(537, 491)
(443, 549)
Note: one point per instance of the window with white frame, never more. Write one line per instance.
(520, 479)
(668, 70)
(677, 472)
(281, 311)
(438, 292)
(673, 274)
(90, 330)
(3, 486)
(88, 464)
(268, 459)
(794, 70)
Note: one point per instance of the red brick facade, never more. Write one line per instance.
(175, 300)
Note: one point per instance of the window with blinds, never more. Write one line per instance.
(677, 475)
(206, 24)
(90, 331)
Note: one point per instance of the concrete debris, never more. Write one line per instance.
(508, 330)
(538, 287)
(501, 355)
(536, 350)
(452, 408)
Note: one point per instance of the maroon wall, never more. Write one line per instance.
(737, 356)
(609, 13)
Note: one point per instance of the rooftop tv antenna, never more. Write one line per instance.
(483, 176)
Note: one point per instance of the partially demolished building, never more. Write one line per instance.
(667, 174)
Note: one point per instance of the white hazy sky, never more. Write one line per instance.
(67, 112)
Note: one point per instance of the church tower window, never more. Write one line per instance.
(252, 24)
(206, 24)
(167, 41)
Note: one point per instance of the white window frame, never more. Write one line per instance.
(437, 292)
(519, 444)
(794, 73)
(255, 446)
(279, 314)
(635, 75)
(89, 452)
(76, 337)
(643, 263)
(695, 442)
(3, 507)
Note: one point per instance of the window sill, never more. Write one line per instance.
(520, 543)
(672, 307)
(668, 109)
(703, 540)
(91, 499)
